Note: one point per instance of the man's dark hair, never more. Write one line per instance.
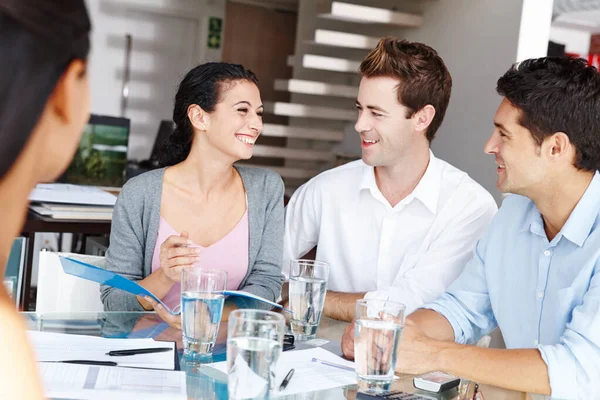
(558, 94)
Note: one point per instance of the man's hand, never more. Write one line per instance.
(418, 353)
(348, 341)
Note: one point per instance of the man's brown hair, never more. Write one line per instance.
(424, 78)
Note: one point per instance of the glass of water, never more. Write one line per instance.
(254, 343)
(201, 308)
(308, 287)
(377, 332)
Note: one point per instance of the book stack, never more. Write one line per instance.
(72, 202)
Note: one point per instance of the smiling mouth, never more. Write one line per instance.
(367, 143)
(246, 139)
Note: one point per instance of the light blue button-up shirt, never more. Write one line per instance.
(542, 294)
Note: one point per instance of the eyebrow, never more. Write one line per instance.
(248, 103)
(499, 125)
(373, 108)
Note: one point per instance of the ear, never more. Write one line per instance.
(559, 146)
(198, 117)
(69, 93)
(423, 118)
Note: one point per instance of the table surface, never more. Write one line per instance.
(199, 385)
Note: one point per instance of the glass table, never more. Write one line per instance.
(205, 383)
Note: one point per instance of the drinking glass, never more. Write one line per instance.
(254, 343)
(377, 333)
(307, 290)
(201, 308)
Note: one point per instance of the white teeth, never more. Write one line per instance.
(370, 141)
(246, 139)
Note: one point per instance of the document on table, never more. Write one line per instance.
(308, 375)
(50, 346)
(88, 382)
(71, 194)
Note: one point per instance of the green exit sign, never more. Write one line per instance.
(215, 29)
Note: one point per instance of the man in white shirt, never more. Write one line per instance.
(400, 224)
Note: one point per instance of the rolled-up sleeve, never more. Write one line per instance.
(574, 362)
(466, 305)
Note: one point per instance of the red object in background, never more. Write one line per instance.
(592, 59)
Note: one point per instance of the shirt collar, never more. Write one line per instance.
(427, 190)
(580, 222)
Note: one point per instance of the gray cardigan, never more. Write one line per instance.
(134, 231)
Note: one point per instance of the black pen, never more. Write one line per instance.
(286, 380)
(91, 362)
(133, 352)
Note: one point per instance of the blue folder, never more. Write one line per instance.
(105, 277)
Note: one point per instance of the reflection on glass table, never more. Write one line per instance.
(204, 382)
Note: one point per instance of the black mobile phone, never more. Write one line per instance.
(288, 342)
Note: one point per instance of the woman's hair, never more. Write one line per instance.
(38, 41)
(204, 85)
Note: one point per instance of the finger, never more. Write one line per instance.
(175, 240)
(172, 320)
(181, 261)
(173, 252)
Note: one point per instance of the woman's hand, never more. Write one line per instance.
(173, 320)
(176, 254)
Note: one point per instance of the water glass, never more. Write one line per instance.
(308, 287)
(201, 308)
(377, 333)
(254, 343)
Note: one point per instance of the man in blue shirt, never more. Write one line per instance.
(536, 272)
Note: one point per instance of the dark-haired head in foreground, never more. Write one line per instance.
(44, 105)
(547, 125)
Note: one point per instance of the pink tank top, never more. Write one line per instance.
(229, 254)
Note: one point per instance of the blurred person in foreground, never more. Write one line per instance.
(44, 106)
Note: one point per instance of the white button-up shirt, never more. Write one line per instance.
(408, 253)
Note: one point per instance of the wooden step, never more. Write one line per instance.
(342, 11)
(300, 132)
(326, 37)
(316, 88)
(325, 63)
(307, 111)
(292, 154)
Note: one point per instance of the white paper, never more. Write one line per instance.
(308, 375)
(71, 194)
(72, 381)
(49, 346)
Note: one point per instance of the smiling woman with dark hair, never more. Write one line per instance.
(201, 209)
(44, 105)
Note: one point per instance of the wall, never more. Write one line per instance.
(478, 40)
(111, 20)
(576, 41)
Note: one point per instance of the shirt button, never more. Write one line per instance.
(535, 342)
(540, 294)
(547, 253)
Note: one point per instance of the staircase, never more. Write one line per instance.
(333, 38)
